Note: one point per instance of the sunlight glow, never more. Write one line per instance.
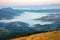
(28, 2)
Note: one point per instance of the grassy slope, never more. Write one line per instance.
(55, 35)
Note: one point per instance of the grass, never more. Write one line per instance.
(54, 35)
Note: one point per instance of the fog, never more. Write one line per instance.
(28, 17)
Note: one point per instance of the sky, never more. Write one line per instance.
(27, 2)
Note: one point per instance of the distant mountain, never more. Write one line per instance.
(55, 18)
(9, 29)
(22, 27)
(18, 26)
(45, 6)
(19, 29)
(50, 17)
(8, 13)
(44, 10)
(46, 27)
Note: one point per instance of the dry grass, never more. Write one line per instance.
(55, 35)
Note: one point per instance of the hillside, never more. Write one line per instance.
(8, 13)
(55, 35)
(50, 17)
